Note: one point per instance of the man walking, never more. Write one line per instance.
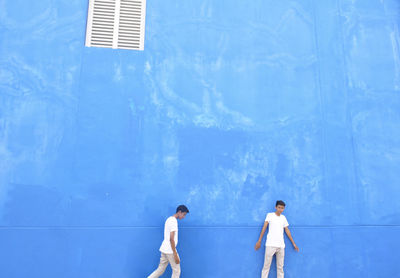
(169, 255)
(275, 244)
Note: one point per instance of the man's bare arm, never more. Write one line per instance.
(287, 231)
(264, 228)
(172, 241)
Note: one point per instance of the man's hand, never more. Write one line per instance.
(289, 234)
(258, 245)
(176, 257)
(172, 241)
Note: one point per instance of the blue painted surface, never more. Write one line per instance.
(232, 105)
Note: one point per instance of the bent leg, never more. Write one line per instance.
(161, 267)
(176, 268)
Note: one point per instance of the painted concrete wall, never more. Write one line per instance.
(232, 105)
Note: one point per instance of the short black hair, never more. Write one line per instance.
(182, 208)
(280, 203)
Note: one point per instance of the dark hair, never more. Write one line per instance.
(280, 203)
(182, 208)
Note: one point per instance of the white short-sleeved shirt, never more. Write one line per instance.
(171, 225)
(275, 233)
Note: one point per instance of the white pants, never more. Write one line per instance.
(269, 253)
(164, 261)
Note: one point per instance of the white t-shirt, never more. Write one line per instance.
(171, 225)
(275, 233)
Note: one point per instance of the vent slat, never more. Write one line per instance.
(130, 7)
(101, 15)
(101, 25)
(102, 38)
(125, 37)
(129, 19)
(123, 14)
(116, 24)
(102, 33)
(136, 27)
(103, 19)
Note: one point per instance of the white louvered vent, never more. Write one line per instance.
(116, 24)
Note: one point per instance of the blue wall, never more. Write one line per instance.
(232, 105)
